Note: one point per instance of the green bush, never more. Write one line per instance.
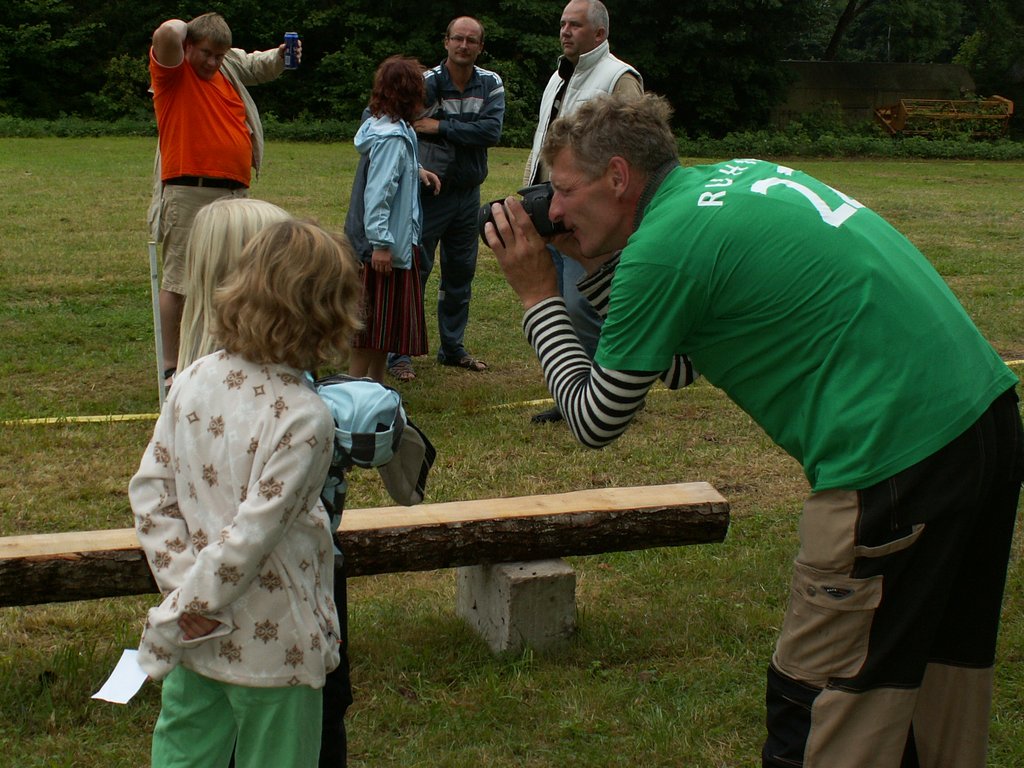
(794, 141)
(801, 144)
(323, 131)
(74, 127)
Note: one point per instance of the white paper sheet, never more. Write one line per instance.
(125, 681)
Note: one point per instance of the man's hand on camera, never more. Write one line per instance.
(521, 252)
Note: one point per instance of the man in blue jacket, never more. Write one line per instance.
(466, 106)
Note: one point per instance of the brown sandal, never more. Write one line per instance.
(403, 371)
(468, 362)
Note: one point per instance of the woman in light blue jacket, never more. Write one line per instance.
(393, 297)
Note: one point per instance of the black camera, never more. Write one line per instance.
(536, 202)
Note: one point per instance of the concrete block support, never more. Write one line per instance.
(515, 605)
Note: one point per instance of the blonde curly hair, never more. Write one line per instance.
(294, 298)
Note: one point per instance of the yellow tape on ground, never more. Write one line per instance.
(83, 419)
(520, 404)
(153, 416)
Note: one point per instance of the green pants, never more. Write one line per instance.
(201, 719)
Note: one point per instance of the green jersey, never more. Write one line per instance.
(813, 314)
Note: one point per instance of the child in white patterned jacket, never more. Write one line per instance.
(227, 509)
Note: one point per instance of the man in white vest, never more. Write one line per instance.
(586, 69)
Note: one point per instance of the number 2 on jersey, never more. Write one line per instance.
(832, 216)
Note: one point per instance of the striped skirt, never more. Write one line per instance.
(393, 311)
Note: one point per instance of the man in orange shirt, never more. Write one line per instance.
(211, 139)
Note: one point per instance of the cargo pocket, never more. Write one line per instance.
(827, 625)
(890, 547)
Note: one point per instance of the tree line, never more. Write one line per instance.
(717, 61)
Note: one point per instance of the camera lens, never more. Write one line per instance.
(536, 200)
(483, 216)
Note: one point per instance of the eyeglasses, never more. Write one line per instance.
(460, 39)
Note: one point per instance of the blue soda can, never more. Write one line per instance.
(291, 55)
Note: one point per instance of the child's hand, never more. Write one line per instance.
(194, 625)
(381, 260)
(430, 180)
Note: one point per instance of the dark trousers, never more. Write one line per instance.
(450, 219)
(337, 687)
(886, 652)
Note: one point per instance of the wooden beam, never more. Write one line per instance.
(81, 565)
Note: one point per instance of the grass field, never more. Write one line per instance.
(667, 668)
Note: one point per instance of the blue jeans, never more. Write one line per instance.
(450, 219)
(585, 320)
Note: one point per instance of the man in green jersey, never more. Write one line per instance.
(838, 337)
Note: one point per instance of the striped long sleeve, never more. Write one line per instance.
(598, 404)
